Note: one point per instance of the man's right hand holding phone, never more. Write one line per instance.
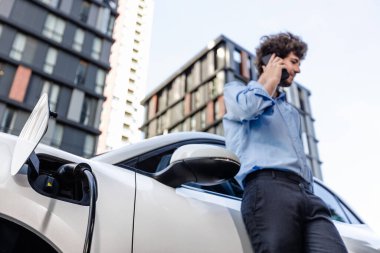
(271, 76)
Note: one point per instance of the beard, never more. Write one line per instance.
(286, 83)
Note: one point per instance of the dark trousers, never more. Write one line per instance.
(281, 214)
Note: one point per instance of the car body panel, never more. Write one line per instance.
(172, 220)
(358, 237)
(63, 224)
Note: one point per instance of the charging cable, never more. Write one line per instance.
(70, 171)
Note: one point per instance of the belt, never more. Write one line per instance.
(273, 173)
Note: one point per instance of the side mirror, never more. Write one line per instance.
(199, 163)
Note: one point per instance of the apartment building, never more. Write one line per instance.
(59, 47)
(123, 113)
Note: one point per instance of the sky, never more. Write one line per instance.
(341, 70)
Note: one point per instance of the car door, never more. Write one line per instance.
(184, 219)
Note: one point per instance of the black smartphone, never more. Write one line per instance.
(284, 74)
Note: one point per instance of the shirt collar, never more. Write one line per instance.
(281, 96)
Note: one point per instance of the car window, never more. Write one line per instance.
(230, 188)
(155, 163)
(351, 216)
(336, 211)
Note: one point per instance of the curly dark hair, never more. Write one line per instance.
(281, 44)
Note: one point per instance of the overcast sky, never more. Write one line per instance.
(341, 70)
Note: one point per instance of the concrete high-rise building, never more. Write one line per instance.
(60, 47)
(192, 98)
(122, 114)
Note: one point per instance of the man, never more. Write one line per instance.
(279, 209)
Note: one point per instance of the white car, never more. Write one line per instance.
(172, 193)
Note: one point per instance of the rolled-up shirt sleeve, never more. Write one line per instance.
(246, 102)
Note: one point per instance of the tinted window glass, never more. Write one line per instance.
(155, 163)
(229, 188)
(331, 202)
(351, 216)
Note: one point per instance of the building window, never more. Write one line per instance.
(51, 3)
(193, 122)
(176, 113)
(100, 80)
(78, 40)
(193, 77)
(203, 118)
(53, 91)
(29, 50)
(86, 110)
(80, 75)
(249, 66)
(84, 11)
(96, 48)
(237, 60)
(18, 47)
(89, 144)
(177, 89)
(2, 72)
(56, 140)
(220, 57)
(111, 23)
(162, 100)
(8, 121)
(219, 83)
(54, 28)
(50, 60)
(208, 65)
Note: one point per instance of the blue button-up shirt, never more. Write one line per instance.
(264, 132)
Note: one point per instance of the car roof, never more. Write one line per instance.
(135, 149)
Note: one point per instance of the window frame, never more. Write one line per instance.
(50, 60)
(54, 28)
(18, 47)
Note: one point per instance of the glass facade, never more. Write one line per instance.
(60, 48)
